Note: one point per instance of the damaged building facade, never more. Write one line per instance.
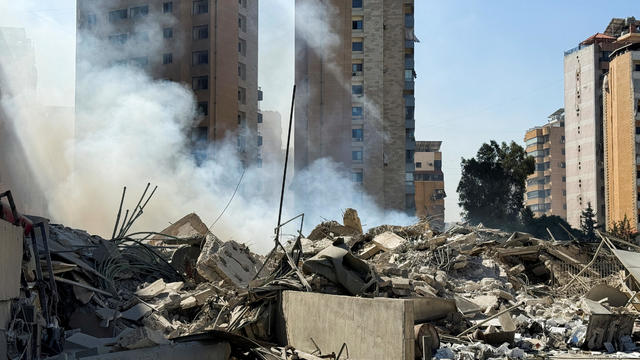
(429, 182)
(358, 95)
(211, 47)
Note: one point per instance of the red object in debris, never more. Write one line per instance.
(7, 214)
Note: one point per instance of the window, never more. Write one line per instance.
(357, 89)
(636, 67)
(200, 83)
(356, 111)
(418, 164)
(356, 4)
(117, 15)
(638, 131)
(242, 3)
(638, 105)
(409, 156)
(242, 23)
(200, 57)
(203, 108)
(119, 39)
(564, 179)
(562, 139)
(408, 20)
(91, 20)
(357, 134)
(140, 61)
(535, 194)
(167, 58)
(259, 118)
(357, 46)
(242, 71)
(242, 95)
(356, 68)
(242, 118)
(356, 24)
(408, 75)
(139, 11)
(409, 112)
(200, 32)
(167, 33)
(356, 155)
(259, 140)
(167, 7)
(357, 176)
(242, 47)
(200, 7)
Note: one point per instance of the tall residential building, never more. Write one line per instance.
(270, 137)
(429, 182)
(210, 46)
(584, 70)
(355, 76)
(546, 187)
(622, 130)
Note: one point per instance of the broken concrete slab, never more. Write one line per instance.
(89, 342)
(152, 290)
(614, 296)
(388, 241)
(11, 240)
(605, 325)
(369, 251)
(190, 229)
(353, 321)
(230, 261)
(137, 312)
(141, 337)
(339, 266)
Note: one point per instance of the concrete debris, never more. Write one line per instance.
(229, 261)
(392, 292)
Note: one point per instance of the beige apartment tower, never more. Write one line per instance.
(209, 45)
(429, 182)
(355, 100)
(622, 130)
(546, 187)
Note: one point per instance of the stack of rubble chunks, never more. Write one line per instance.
(468, 292)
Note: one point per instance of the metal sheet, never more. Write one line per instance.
(11, 237)
(630, 260)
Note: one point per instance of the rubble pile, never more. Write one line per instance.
(467, 293)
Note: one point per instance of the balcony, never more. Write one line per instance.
(410, 123)
(409, 85)
(409, 64)
(409, 44)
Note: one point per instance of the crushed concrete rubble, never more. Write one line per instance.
(469, 292)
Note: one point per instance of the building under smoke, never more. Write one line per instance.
(355, 72)
(211, 47)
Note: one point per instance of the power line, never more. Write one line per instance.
(231, 199)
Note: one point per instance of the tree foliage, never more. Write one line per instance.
(622, 229)
(537, 226)
(588, 223)
(492, 186)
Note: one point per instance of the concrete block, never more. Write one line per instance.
(11, 238)
(229, 260)
(388, 241)
(378, 328)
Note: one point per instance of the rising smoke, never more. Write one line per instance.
(131, 129)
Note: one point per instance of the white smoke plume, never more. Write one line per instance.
(132, 129)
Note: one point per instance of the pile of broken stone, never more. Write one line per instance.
(478, 293)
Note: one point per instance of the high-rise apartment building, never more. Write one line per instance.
(622, 129)
(429, 182)
(355, 102)
(584, 70)
(546, 187)
(211, 46)
(270, 137)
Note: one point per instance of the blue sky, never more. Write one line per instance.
(486, 69)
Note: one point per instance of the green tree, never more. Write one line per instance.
(622, 229)
(588, 223)
(492, 186)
